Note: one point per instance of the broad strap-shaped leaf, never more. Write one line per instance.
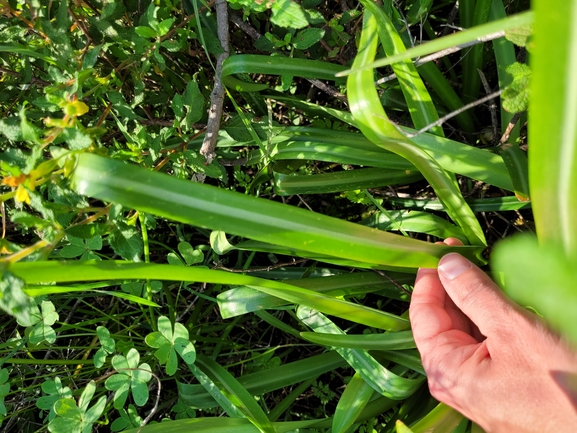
(263, 220)
(553, 123)
(387, 341)
(378, 377)
(373, 122)
(441, 419)
(110, 270)
(469, 35)
(352, 402)
(236, 393)
(267, 380)
(421, 107)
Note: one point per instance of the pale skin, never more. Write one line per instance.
(493, 361)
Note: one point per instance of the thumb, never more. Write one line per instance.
(475, 294)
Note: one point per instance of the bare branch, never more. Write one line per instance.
(446, 52)
(217, 95)
(455, 113)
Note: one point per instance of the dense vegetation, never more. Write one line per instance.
(218, 228)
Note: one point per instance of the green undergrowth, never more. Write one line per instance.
(266, 290)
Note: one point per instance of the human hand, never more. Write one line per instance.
(488, 358)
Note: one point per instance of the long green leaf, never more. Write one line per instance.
(223, 425)
(342, 181)
(216, 393)
(473, 59)
(463, 37)
(354, 148)
(387, 341)
(236, 393)
(49, 271)
(262, 220)
(258, 64)
(553, 123)
(504, 56)
(378, 377)
(415, 221)
(267, 380)
(477, 205)
(242, 300)
(352, 402)
(419, 102)
(44, 290)
(441, 419)
(373, 122)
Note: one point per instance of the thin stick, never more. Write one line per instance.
(492, 107)
(268, 268)
(253, 33)
(446, 52)
(397, 285)
(509, 129)
(455, 113)
(217, 95)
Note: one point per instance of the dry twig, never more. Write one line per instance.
(217, 95)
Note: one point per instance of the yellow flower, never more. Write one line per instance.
(22, 195)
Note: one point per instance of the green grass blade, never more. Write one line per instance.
(33, 290)
(309, 107)
(408, 358)
(415, 221)
(348, 180)
(242, 300)
(222, 425)
(441, 419)
(477, 205)
(419, 102)
(288, 401)
(263, 220)
(473, 60)
(354, 148)
(267, 380)
(212, 389)
(443, 43)
(553, 123)
(352, 402)
(387, 341)
(258, 64)
(518, 166)
(373, 122)
(378, 377)
(36, 272)
(466, 13)
(504, 56)
(236, 393)
(334, 152)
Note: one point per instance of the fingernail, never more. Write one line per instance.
(452, 265)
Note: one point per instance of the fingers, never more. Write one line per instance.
(474, 293)
(432, 312)
(427, 310)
